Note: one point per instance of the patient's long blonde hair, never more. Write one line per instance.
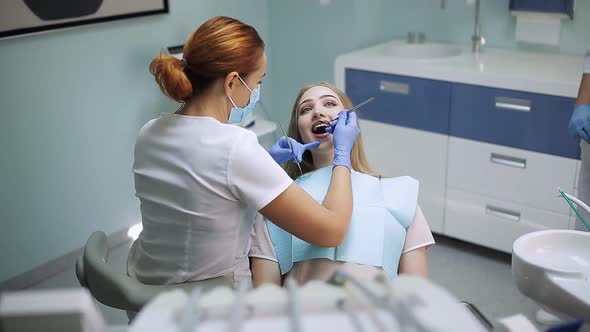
(358, 160)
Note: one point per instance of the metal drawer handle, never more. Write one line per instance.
(502, 213)
(394, 87)
(513, 104)
(507, 160)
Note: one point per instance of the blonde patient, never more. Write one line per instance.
(315, 107)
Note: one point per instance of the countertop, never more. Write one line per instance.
(545, 73)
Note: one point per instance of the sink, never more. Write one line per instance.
(420, 51)
(552, 267)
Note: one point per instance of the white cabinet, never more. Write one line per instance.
(492, 222)
(496, 193)
(524, 177)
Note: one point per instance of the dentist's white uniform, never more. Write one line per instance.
(200, 183)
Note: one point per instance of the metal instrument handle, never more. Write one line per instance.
(361, 104)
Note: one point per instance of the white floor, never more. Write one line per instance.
(472, 273)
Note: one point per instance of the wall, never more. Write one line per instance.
(306, 36)
(71, 104)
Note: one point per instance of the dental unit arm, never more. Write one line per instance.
(345, 304)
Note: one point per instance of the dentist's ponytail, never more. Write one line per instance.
(169, 74)
(218, 47)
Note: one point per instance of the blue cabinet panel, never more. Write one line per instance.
(401, 100)
(552, 6)
(518, 119)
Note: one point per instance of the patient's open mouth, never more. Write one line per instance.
(320, 127)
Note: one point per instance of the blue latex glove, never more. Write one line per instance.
(345, 133)
(579, 125)
(281, 152)
(333, 124)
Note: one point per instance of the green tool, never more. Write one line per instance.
(569, 202)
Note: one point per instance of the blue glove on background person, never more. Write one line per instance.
(345, 132)
(579, 125)
(281, 152)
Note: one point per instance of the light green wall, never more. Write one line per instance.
(71, 104)
(306, 37)
(455, 24)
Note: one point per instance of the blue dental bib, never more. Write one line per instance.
(382, 210)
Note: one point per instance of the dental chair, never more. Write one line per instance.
(118, 290)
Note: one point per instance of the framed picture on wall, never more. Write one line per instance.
(21, 17)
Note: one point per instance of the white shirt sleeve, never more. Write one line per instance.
(418, 234)
(252, 175)
(260, 243)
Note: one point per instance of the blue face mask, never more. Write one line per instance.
(238, 114)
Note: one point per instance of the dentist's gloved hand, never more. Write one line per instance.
(332, 126)
(345, 133)
(281, 152)
(579, 125)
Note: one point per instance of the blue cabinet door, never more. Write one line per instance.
(400, 100)
(522, 120)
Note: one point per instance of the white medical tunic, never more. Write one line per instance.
(200, 183)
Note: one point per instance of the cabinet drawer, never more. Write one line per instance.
(396, 158)
(524, 177)
(512, 118)
(494, 223)
(401, 100)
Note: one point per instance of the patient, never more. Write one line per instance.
(388, 230)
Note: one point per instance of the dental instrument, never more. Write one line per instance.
(329, 126)
(286, 137)
(291, 147)
(577, 201)
(357, 106)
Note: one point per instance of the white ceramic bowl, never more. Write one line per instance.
(552, 267)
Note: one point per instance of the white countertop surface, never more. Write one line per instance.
(545, 73)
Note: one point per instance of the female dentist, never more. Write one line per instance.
(201, 181)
